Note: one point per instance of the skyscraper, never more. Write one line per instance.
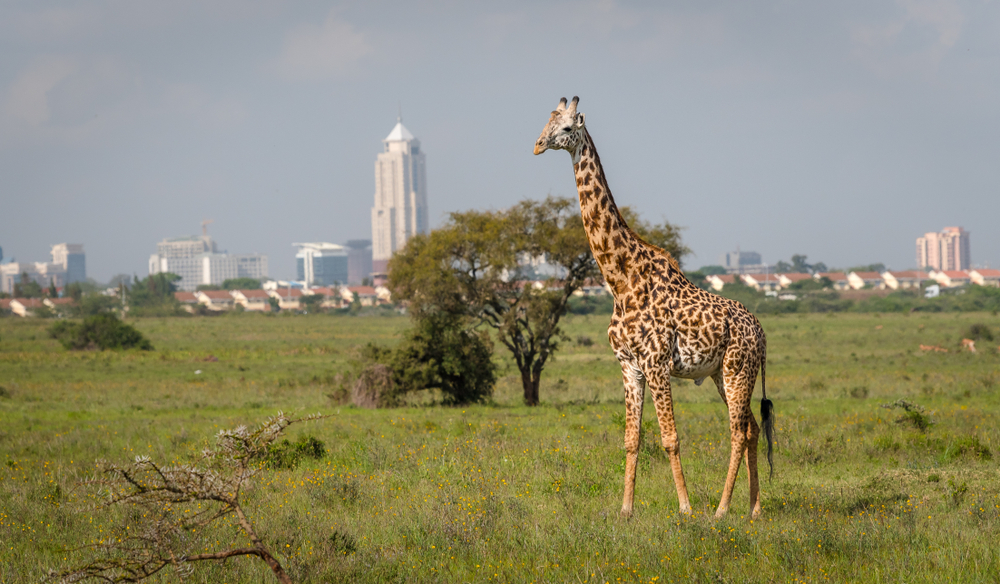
(944, 251)
(400, 210)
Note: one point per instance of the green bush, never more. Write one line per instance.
(913, 414)
(971, 445)
(99, 332)
(439, 352)
(979, 331)
(288, 455)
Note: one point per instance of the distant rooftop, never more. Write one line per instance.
(399, 133)
(320, 246)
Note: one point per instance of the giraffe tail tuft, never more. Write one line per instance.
(767, 416)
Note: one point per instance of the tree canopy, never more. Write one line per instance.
(241, 284)
(154, 295)
(479, 265)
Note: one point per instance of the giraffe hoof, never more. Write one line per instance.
(757, 512)
(685, 509)
(626, 513)
(720, 513)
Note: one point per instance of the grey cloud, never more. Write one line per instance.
(318, 51)
(831, 129)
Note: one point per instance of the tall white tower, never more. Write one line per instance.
(400, 210)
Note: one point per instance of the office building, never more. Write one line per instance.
(216, 268)
(321, 264)
(197, 261)
(68, 265)
(745, 262)
(359, 260)
(944, 251)
(44, 273)
(71, 257)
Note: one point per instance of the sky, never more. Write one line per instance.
(839, 130)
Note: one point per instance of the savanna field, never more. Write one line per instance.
(506, 493)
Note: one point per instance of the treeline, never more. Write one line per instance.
(966, 299)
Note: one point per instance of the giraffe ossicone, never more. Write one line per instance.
(664, 326)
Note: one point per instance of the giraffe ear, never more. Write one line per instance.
(580, 119)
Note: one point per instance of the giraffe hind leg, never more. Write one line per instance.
(737, 399)
(753, 433)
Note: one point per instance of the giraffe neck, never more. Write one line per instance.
(611, 240)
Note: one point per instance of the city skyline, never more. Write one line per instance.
(778, 126)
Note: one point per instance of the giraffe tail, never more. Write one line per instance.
(766, 411)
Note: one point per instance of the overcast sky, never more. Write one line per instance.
(840, 130)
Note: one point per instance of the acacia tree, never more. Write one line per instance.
(477, 266)
(171, 505)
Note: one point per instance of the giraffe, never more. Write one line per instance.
(663, 326)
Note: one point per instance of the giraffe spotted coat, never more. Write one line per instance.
(663, 326)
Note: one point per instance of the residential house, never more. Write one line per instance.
(591, 287)
(186, 297)
(215, 299)
(717, 281)
(762, 282)
(904, 280)
(787, 280)
(985, 277)
(58, 304)
(333, 297)
(25, 307)
(366, 295)
(252, 299)
(288, 298)
(951, 278)
(839, 279)
(859, 280)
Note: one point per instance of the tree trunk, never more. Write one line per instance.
(530, 386)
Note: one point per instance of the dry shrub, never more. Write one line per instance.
(374, 387)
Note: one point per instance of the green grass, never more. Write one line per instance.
(506, 493)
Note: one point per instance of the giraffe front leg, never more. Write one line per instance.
(634, 388)
(659, 388)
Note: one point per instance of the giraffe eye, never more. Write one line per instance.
(566, 129)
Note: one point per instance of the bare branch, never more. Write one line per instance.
(135, 551)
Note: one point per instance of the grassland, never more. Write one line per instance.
(505, 493)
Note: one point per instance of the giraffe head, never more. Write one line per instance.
(564, 130)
